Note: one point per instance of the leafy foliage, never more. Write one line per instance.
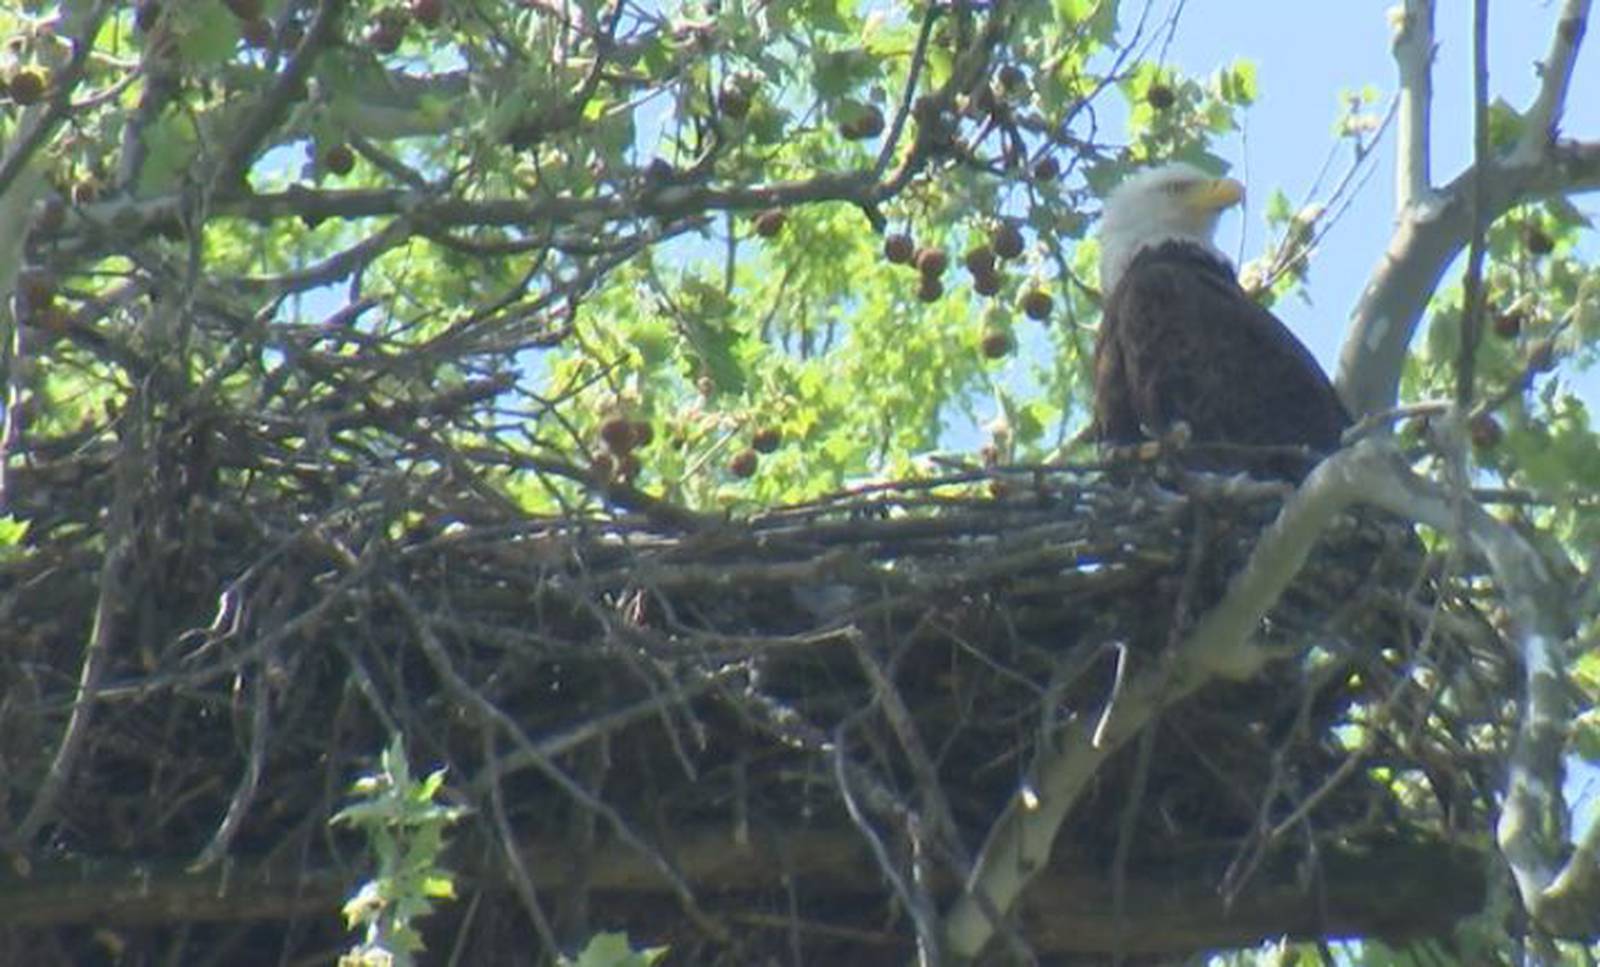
(665, 213)
(404, 827)
(613, 950)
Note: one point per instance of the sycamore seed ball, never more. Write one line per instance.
(770, 222)
(744, 463)
(1037, 304)
(766, 439)
(1007, 240)
(899, 249)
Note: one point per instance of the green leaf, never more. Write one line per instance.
(613, 950)
(1238, 82)
(439, 887)
(170, 147)
(1586, 736)
(12, 531)
(206, 33)
(826, 15)
(1505, 124)
(1566, 214)
(839, 72)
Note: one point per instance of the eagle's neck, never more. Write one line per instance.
(1117, 256)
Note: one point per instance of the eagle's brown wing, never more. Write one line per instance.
(1180, 340)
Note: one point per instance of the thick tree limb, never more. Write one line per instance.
(1391, 889)
(1431, 234)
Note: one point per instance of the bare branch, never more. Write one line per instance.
(1472, 297)
(1543, 117)
(1370, 471)
(274, 105)
(114, 586)
(1413, 55)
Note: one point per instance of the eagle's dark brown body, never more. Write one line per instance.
(1181, 341)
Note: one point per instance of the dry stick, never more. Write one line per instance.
(521, 879)
(1125, 834)
(790, 728)
(1147, 738)
(904, 726)
(244, 794)
(595, 727)
(356, 571)
(1266, 832)
(433, 649)
(912, 894)
(103, 633)
(1537, 605)
(1472, 285)
(1381, 714)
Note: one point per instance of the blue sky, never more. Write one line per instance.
(1306, 52)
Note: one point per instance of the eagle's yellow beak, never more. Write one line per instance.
(1216, 194)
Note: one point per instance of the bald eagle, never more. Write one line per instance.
(1181, 341)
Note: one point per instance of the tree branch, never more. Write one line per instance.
(1430, 235)
(234, 164)
(1472, 285)
(1388, 888)
(1413, 55)
(115, 581)
(1543, 117)
(1369, 471)
(39, 125)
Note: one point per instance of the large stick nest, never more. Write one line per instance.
(733, 736)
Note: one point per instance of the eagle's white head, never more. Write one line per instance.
(1175, 202)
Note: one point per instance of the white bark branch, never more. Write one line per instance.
(1430, 234)
(1413, 55)
(1543, 117)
